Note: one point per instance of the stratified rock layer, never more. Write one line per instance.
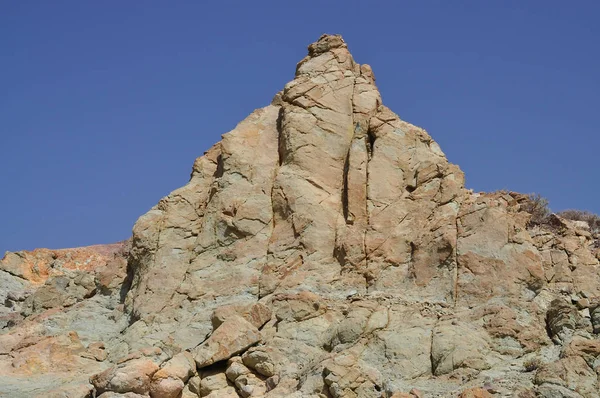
(323, 248)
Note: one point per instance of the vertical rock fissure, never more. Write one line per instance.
(431, 358)
(367, 141)
(280, 148)
(345, 211)
(411, 261)
(456, 271)
(279, 140)
(220, 167)
(354, 125)
(370, 143)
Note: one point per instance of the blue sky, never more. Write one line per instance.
(105, 105)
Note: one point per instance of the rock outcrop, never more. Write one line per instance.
(323, 248)
(61, 318)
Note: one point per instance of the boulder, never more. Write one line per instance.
(232, 337)
(131, 376)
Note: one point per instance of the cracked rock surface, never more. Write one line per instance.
(323, 248)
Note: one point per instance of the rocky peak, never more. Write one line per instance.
(323, 248)
(326, 43)
(326, 182)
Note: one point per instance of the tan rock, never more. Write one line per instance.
(212, 382)
(96, 351)
(257, 314)
(194, 384)
(73, 390)
(416, 393)
(491, 262)
(166, 388)
(232, 337)
(37, 265)
(236, 368)
(456, 344)
(475, 392)
(62, 353)
(341, 232)
(131, 376)
(572, 373)
(187, 393)
(259, 360)
(169, 380)
(249, 385)
(562, 318)
(587, 349)
(181, 366)
(227, 392)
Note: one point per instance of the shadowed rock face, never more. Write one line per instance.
(326, 248)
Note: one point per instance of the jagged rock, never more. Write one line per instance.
(341, 232)
(587, 349)
(181, 367)
(38, 265)
(170, 379)
(344, 377)
(555, 391)
(231, 337)
(475, 393)
(562, 318)
(131, 376)
(236, 368)
(572, 373)
(96, 351)
(595, 317)
(259, 360)
(212, 382)
(247, 383)
(510, 335)
(257, 314)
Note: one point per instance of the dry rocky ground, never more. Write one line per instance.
(323, 248)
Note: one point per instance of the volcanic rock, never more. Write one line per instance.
(323, 248)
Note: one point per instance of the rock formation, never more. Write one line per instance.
(323, 248)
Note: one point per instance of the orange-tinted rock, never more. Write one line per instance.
(475, 393)
(37, 265)
(131, 376)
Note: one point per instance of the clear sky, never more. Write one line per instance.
(104, 105)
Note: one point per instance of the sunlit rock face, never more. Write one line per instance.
(323, 248)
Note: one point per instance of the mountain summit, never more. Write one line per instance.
(323, 248)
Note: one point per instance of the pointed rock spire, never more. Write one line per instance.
(325, 189)
(323, 246)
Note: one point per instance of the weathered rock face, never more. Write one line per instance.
(61, 314)
(323, 248)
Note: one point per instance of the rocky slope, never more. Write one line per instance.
(323, 248)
